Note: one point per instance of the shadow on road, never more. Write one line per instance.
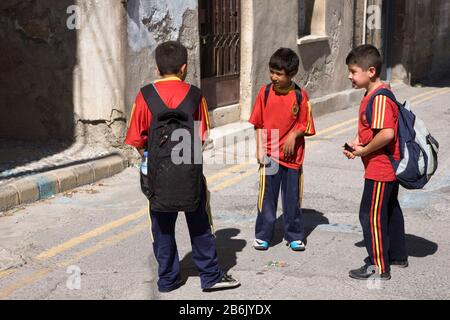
(312, 219)
(416, 246)
(227, 249)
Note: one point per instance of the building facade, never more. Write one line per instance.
(72, 68)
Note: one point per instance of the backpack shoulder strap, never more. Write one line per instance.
(382, 92)
(153, 99)
(267, 93)
(192, 100)
(298, 94)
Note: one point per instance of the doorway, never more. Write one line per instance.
(220, 37)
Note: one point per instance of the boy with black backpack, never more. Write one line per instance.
(170, 121)
(282, 118)
(378, 144)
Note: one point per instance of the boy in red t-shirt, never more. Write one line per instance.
(380, 214)
(282, 118)
(172, 92)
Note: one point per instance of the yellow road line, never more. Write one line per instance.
(428, 93)
(5, 292)
(104, 243)
(4, 273)
(226, 172)
(442, 92)
(88, 235)
(232, 181)
(345, 123)
(40, 274)
(340, 132)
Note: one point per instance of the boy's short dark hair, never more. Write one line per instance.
(285, 59)
(170, 57)
(366, 56)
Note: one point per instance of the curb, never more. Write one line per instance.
(45, 185)
(229, 134)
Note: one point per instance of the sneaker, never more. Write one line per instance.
(364, 273)
(297, 245)
(261, 245)
(399, 263)
(227, 282)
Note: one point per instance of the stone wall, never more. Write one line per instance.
(322, 68)
(38, 56)
(421, 40)
(151, 22)
(99, 75)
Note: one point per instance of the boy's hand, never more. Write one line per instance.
(349, 155)
(359, 151)
(261, 156)
(289, 146)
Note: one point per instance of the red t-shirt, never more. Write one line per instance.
(377, 165)
(172, 91)
(283, 113)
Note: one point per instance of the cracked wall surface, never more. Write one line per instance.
(151, 22)
(322, 67)
(99, 75)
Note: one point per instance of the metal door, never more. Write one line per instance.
(220, 24)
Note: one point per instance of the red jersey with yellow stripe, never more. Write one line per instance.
(282, 113)
(377, 165)
(172, 91)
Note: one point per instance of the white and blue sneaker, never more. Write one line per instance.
(260, 245)
(297, 245)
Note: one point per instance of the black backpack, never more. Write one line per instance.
(175, 171)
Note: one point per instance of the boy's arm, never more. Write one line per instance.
(381, 140)
(202, 116)
(141, 151)
(140, 118)
(257, 119)
(305, 126)
(260, 152)
(383, 123)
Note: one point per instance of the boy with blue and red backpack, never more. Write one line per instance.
(396, 149)
(377, 143)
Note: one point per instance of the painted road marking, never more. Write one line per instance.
(40, 274)
(88, 235)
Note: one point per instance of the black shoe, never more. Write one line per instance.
(399, 263)
(364, 273)
(227, 282)
(177, 285)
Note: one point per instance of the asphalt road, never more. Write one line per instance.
(94, 242)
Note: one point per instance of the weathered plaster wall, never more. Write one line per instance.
(151, 22)
(38, 56)
(421, 40)
(323, 70)
(322, 67)
(99, 75)
(440, 67)
(62, 83)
